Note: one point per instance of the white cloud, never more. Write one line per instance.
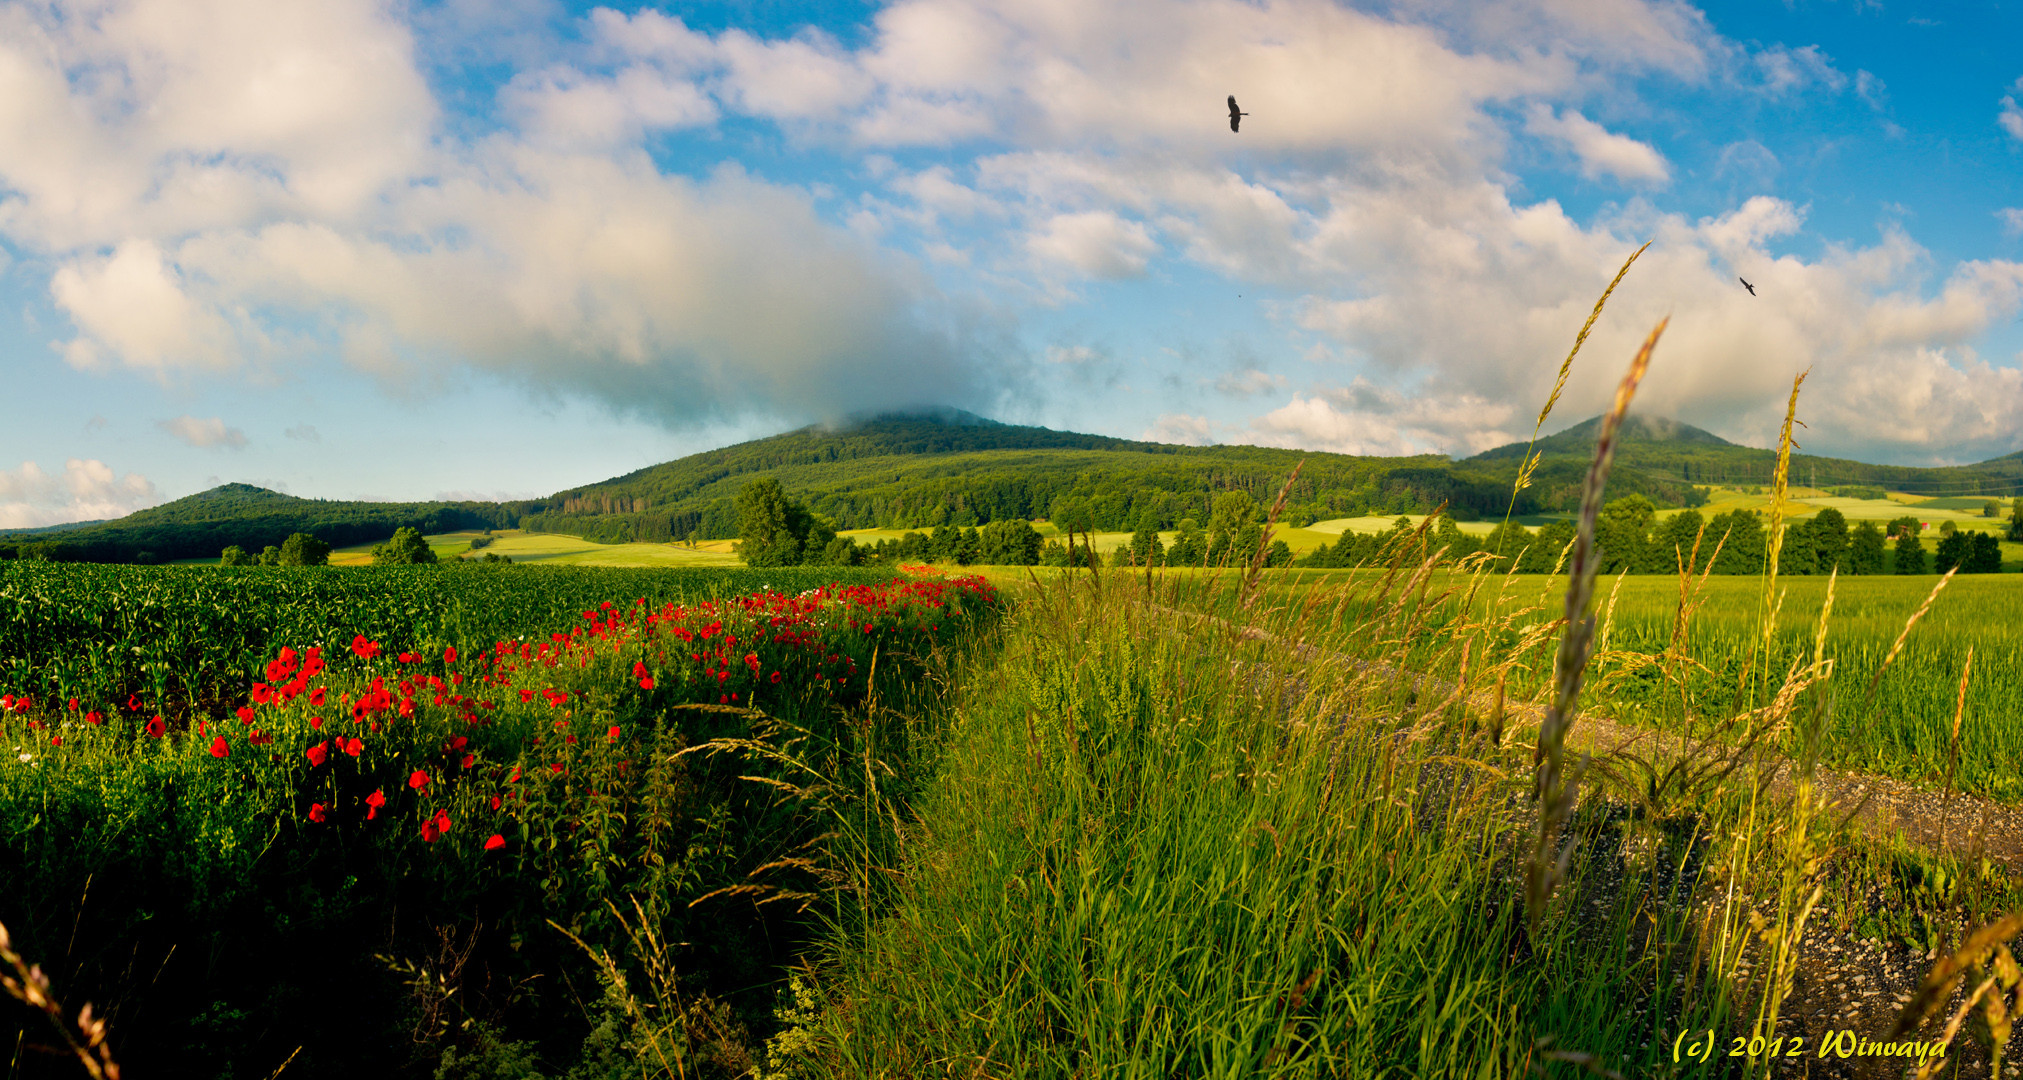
(1074, 354)
(1097, 243)
(1180, 428)
(203, 433)
(1601, 152)
(86, 490)
(303, 433)
(1785, 70)
(1363, 418)
(2011, 118)
(1248, 382)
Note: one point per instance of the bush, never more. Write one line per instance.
(303, 549)
(406, 548)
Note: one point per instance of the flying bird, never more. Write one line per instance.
(1234, 116)
(1746, 285)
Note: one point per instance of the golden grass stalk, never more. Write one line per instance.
(1529, 465)
(1779, 486)
(1908, 623)
(28, 985)
(1554, 785)
(1264, 538)
(1953, 749)
(1986, 954)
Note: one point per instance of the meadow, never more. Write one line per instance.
(1045, 837)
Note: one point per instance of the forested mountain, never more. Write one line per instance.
(202, 525)
(1667, 451)
(919, 470)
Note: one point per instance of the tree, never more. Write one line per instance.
(1743, 547)
(1010, 542)
(1190, 547)
(2016, 521)
(969, 548)
(1953, 550)
(776, 531)
(842, 551)
(1910, 552)
(1071, 515)
(1991, 509)
(1508, 540)
(1623, 533)
(271, 556)
(1279, 554)
(303, 549)
(1829, 539)
(406, 548)
(236, 556)
(1985, 556)
(764, 536)
(1233, 510)
(1864, 550)
(1146, 550)
(1799, 555)
(1673, 543)
(941, 543)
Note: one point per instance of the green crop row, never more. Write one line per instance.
(189, 641)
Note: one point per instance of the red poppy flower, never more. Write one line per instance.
(450, 655)
(94, 718)
(646, 684)
(418, 780)
(73, 704)
(316, 811)
(613, 733)
(317, 754)
(220, 748)
(56, 740)
(316, 722)
(366, 650)
(556, 767)
(352, 747)
(157, 727)
(776, 676)
(442, 820)
(639, 669)
(407, 658)
(429, 832)
(494, 842)
(246, 714)
(132, 703)
(372, 804)
(495, 802)
(526, 696)
(470, 760)
(316, 697)
(515, 778)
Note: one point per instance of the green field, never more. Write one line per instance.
(188, 640)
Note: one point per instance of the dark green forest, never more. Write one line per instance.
(922, 470)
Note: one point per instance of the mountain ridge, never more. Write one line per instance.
(921, 468)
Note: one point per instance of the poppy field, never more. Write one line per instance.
(385, 851)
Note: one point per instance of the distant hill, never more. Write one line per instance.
(1579, 439)
(920, 469)
(1668, 451)
(202, 525)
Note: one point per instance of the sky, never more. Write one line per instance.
(500, 248)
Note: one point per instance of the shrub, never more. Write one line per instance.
(406, 548)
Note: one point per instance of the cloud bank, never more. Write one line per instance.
(216, 187)
(85, 490)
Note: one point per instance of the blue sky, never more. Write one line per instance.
(479, 248)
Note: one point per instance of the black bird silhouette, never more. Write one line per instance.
(1746, 285)
(1234, 116)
